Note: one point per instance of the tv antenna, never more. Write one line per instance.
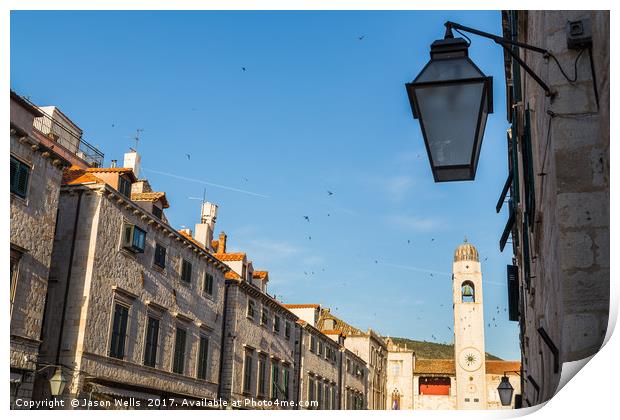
(136, 137)
(204, 196)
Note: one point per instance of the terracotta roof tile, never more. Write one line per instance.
(332, 332)
(76, 175)
(262, 275)
(128, 171)
(151, 196)
(498, 367)
(231, 256)
(300, 305)
(434, 366)
(232, 275)
(214, 244)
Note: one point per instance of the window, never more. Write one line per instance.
(203, 357)
(396, 367)
(208, 284)
(186, 271)
(250, 312)
(285, 381)
(319, 395)
(276, 324)
(262, 375)
(468, 293)
(311, 385)
(157, 212)
(160, 256)
(20, 174)
(124, 186)
(349, 365)
(287, 330)
(152, 339)
(133, 238)
(119, 331)
(247, 371)
(275, 379)
(178, 365)
(264, 318)
(334, 406)
(320, 352)
(313, 344)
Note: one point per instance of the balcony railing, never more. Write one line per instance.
(69, 138)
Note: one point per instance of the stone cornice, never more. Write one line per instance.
(45, 152)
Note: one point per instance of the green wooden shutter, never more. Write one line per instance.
(528, 163)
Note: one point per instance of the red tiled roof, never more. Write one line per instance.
(127, 171)
(232, 275)
(262, 275)
(300, 305)
(446, 366)
(431, 366)
(214, 244)
(498, 367)
(151, 196)
(333, 332)
(232, 256)
(76, 175)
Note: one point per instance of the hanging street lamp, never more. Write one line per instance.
(57, 382)
(452, 98)
(505, 391)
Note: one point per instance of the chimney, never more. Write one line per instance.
(206, 227)
(221, 245)
(132, 160)
(187, 231)
(113, 163)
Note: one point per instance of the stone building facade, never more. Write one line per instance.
(399, 377)
(559, 192)
(326, 362)
(36, 173)
(261, 344)
(319, 368)
(435, 384)
(134, 308)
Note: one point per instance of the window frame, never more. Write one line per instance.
(186, 271)
(207, 286)
(179, 358)
(248, 362)
(129, 241)
(15, 177)
(251, 309)
(202, 365)
(154, 347)
(117, 349)
(160, 264)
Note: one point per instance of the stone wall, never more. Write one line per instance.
(569, 242)
(320, 368)
(32, 232)
(244, 334)
(102, 272)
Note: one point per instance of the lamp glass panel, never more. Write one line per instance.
(450, 115)
(448, 69)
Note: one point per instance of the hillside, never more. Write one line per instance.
(430, 350)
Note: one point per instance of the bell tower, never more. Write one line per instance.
(469, 354)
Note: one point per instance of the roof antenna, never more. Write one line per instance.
(136, 138)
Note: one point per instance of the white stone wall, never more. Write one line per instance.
(101, 271)
(320, 368)
(401, 381)
(351, 381)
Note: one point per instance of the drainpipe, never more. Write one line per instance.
(298, 364)
(222, 342)
(340, 379)
(68, 280)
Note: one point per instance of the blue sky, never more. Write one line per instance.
(316, 110)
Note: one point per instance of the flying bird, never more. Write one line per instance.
(309, 238)
(329, 192)
(243, 68)
(188, 156)
(359, 38)
(307, 219)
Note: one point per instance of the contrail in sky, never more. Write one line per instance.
(441, 273)
(206, 183)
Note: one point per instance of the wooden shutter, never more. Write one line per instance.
(512, 274)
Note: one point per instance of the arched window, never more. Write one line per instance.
(395, 400)
(468, 292)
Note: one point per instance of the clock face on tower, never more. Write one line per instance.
(470, 359)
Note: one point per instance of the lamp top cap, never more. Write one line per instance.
(449, 47)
